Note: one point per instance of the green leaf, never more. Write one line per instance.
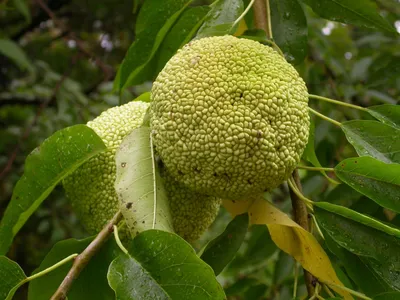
(240, 286)
(377, 249)
(11, 277)
(356, 12)
(372, 138)
(181, 33)
(259, 247)
(23, 8)
(356, 216)
(143, 207)
(145, 97)
(375, 179)
(258, 35)
(388, 296)
(220, 19)
(289, 26)
(155, 19)
(161, 265)
(387, 113)
(386, 74)
(92, 282)
(45, 167)
(367, 279)
(14, 52)
(221, 250)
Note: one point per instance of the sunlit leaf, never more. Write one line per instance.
(143, 206)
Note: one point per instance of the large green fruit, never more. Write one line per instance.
(230, 117)
(91, 187)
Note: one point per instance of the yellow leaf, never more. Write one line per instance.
(296, 241)
(236, 208)
(241, 28)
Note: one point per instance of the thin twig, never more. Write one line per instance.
(84, 258)
(300, 214)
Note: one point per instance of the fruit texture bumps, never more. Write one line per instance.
(229, 117)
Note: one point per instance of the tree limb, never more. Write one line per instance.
(300, 214)
(84, 258)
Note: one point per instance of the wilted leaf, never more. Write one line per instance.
(291, 238)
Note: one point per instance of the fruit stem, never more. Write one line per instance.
(296, 275)
(324, 117)
(316, 168)
(244, 13)
(118, 241)
(337, 102)
(359, 295)
(328, 291)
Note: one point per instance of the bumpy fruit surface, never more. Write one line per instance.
(91, 187)
(192, 213)
(229, 117)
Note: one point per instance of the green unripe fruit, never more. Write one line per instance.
(91, 187)
(229, 117)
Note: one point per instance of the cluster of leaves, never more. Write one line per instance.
(357, 218)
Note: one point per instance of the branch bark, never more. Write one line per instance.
(83, 259)
(262, 16)
(300, 214)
